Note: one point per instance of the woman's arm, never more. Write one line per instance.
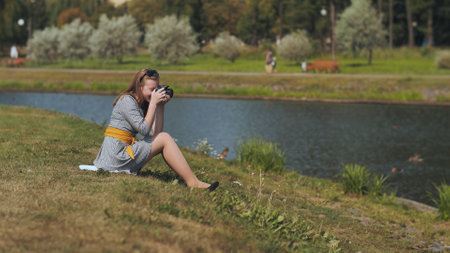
(156, 108)
(158, 123)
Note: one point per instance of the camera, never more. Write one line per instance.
(166, 88)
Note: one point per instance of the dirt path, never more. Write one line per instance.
(376, 76)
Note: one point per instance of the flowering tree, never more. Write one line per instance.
(74, 40)
(114, 38)
(43, 46)
(227, 46)
(294, 47)
(360, 28)
(171, 39)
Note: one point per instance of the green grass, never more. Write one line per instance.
(443, 201)
(399, 61)
(356, 179)
(260, 85)
(48, 204)
(261, 155)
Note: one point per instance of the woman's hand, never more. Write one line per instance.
(158, 96)
(166, 99)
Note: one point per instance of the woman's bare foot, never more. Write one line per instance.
(202, 185)
(199, 184)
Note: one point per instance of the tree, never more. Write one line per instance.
(44, 45)
(360, 28)
(115, 37)
(219, 16)
(55, 7)
(258, 21)
(410, 24)
(74, 40)
(295, 47)
(10, 12)
(145, 11)
(227, 46)
(391, 22)
(69, 15)
(171, 39)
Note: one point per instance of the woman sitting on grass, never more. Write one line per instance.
(140, 109)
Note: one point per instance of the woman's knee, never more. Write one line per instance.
(163, 136)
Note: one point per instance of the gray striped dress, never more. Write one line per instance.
(128, 116)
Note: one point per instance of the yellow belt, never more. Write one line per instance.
(123, 136)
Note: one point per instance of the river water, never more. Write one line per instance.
(317, 138)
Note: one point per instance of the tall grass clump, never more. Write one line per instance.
(443, 60)
(356, 179)
(261, 154)
(443, 201)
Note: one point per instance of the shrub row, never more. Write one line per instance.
(170, 39)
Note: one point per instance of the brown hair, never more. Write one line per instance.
(135, 88)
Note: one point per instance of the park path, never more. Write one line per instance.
(337, 75)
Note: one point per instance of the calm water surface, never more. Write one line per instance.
(317, 137)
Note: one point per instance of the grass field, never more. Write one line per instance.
(47, 204)
(399, 61)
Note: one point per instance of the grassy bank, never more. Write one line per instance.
(402, 61)
(375, 88)
(48, 204)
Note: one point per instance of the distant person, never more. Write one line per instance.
(274, 64)
(269, 61)
(140, 109)
(304, 64)
(14, 53)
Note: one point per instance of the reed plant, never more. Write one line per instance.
(356, 179)
(378, 186)
(443, 201)
(261, 155)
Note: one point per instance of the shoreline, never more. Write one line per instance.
(222, 73)
(219, 96)
(419, 206)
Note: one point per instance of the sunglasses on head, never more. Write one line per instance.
(149, 73)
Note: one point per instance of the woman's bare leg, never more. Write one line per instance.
(163, 143)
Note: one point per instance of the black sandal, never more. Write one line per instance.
(213, 186)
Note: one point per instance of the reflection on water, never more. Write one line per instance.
(316, 137)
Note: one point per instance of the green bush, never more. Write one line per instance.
(443, 202)
(115, 37)
(171, 39)
(44, 46)
(443, 60)
(295, 47)
(74, 38)
(356, 179)
(425, 51)
(378, 186)
(227, 46)
(261, 154)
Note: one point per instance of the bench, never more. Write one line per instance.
(329, 66)
(14, 62)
